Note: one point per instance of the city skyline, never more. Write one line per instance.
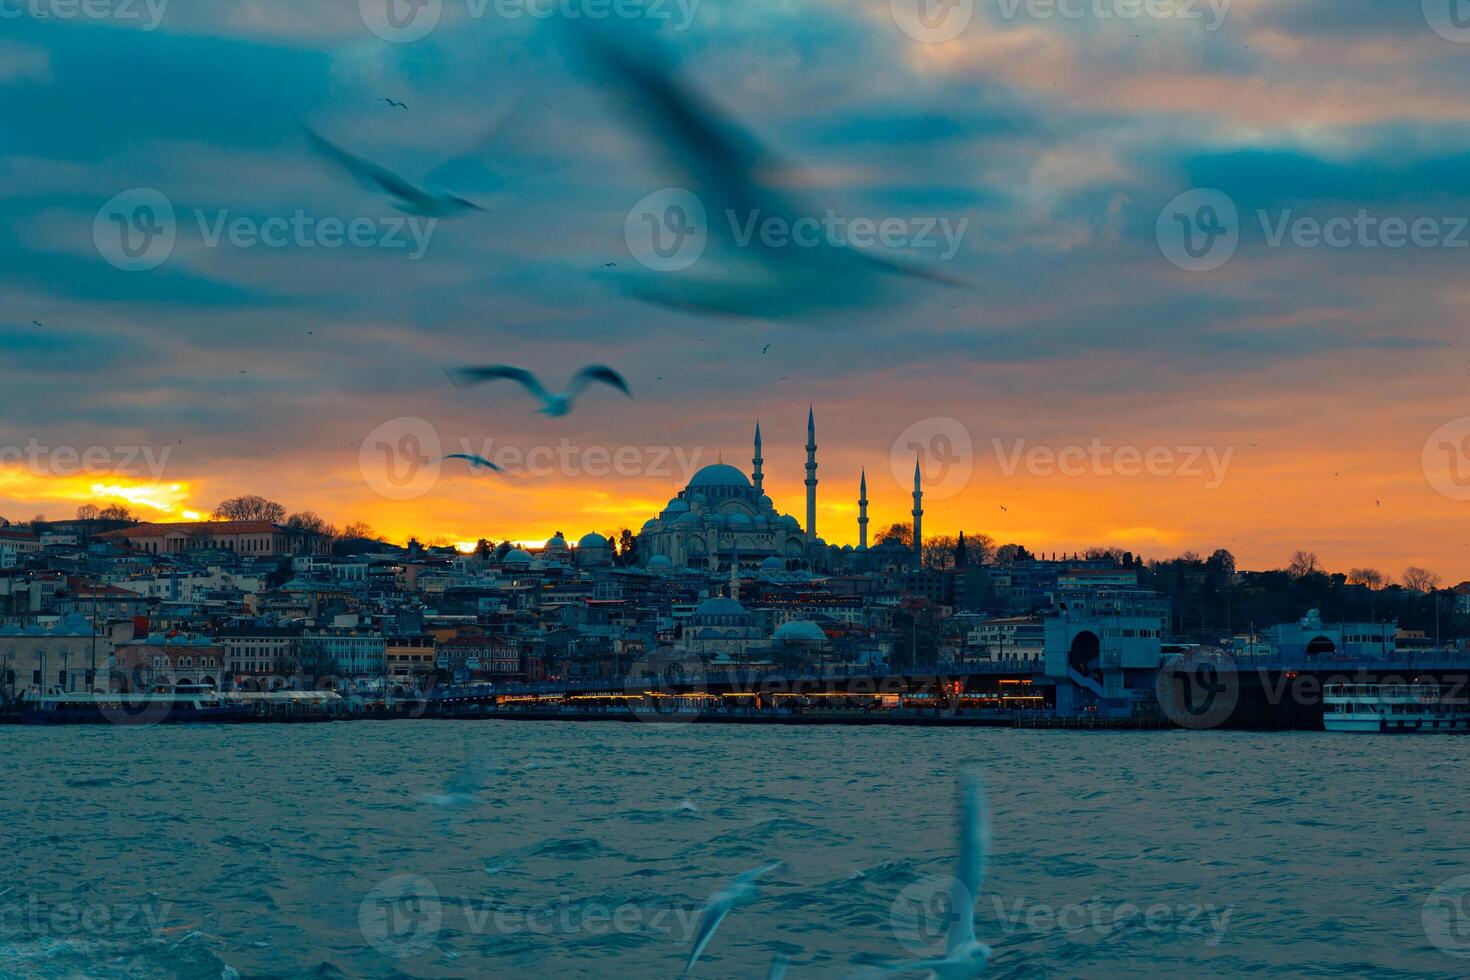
(1067, 318)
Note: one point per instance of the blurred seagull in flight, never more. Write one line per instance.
(739, 272)
(411, 199)
(551, 404)
(742, 891)
(476, 462)
(395, 105)
(964, 956)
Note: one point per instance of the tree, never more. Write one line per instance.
(1371, 578)
(484, 548)
(1420, 580)
(87, 512)
(1303, 563)
(308, 521)
(627, 548)
(116, 512)
(902, 533)
(1008, 553)
(250, 508)
(359, 531)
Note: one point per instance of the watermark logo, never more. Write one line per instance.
(1199, 690)
(920, 916)
(401, 916)
(148, 13)
(933, 21)
(668, 230)
(1450, 19)
(1446, 459)
(1199, 230)
(945, 451)
(667, 685)
(1446, 917)
(401, 459)
(136, 230)
(401, 21)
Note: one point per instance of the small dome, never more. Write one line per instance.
(789, 522)
(720, 606)
(739, 520)
(800, 631)
(34, 629)
(651, 524)
(773, 564)
(719, 475)
(593, 540)
(660, 561)
(689, 520)
(516, 556)
(677, 506)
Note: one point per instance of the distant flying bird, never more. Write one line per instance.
(724, 166)
(37, 323)
(742, 891)
(411, 199)
(964, 956)
(552, 404)
(476, 462)
(765, 348)
(461, 790)
(1003, 507)
(396, 105)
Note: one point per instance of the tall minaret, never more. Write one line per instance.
(918, 517)
(863, 512)
(811, 475)
(757, 477)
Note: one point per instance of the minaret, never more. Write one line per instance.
(918, 517)
(735, 573)
(757, 477)
(863, 512)
(811, 475)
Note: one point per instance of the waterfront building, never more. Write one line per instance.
(1311, 639)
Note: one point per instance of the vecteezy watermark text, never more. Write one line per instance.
(669, 230)
(43, 460)
(147, 13)
(1201, 230)
(405, 21)
(138, 230)
(403, 915)
(404, 459)
(1098, 458)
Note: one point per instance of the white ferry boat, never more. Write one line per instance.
(1394, 708)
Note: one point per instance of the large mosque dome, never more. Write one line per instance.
(719, 475)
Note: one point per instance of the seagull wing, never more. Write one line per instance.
(974, 843)
(366, 173)
(474, 460)
(464, 377)
(748, 878)
(597, 372)
(721, 159)
(709, 920)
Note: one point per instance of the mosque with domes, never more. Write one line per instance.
(723, 518)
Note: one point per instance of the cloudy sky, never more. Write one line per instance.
(1275, 360)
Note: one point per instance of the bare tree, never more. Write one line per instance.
(250, 508)
(116, 512)
(87, 512)
(902, 533)
(308, 521)
(1421, 580)
(1303, 563)
(1372, 578)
